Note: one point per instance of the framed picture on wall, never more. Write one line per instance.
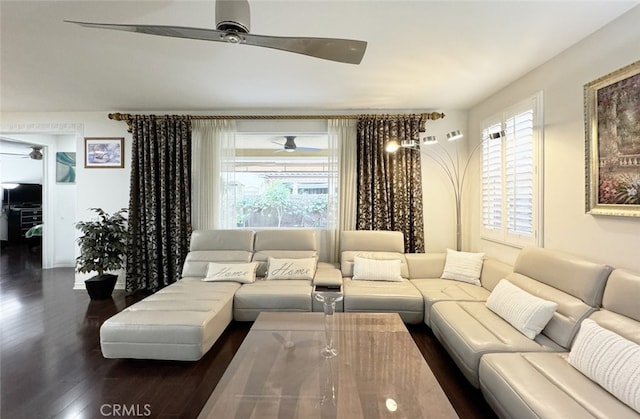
(612, 125)
(103, 152)
(66, 167)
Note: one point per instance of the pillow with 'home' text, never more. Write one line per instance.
(244, 273)
(304, 268)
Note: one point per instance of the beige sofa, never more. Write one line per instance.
(519, 377)
(183, 320)
(545, 385)
(468, 329)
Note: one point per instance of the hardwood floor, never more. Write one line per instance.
(51, 365)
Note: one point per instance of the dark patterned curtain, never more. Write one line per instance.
(159, 201)
(390, 184)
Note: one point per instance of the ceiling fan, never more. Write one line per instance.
(233, 26)
(290, 145)
(35, 154)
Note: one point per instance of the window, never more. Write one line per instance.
(511, 175)
(269, 187)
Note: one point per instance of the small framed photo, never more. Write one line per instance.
(612, 123)
(103, 152)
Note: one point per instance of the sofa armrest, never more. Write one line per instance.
(328, 277)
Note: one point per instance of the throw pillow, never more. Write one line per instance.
(304, 268)
(610, 360)
(463, 266)
(244, 273)
(376, 270)
(526, 312)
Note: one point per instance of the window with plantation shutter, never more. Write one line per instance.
(510, 175)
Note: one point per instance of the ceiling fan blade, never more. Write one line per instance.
(340, 50)
(312, 149)
(160, 30)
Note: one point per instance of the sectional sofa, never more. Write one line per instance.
(477, 320)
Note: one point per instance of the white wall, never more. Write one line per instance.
(438, 196)
(612, 240)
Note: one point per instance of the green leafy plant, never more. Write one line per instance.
(103, 242)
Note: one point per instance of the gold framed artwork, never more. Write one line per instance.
(612, 125)
(103, 152)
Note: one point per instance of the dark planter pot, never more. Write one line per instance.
(100, 287)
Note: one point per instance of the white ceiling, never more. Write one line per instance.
(424, 55)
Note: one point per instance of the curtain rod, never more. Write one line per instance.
(425, 116)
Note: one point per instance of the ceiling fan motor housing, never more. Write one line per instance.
(290, 143)
(233, 15)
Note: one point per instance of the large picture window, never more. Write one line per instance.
(270, 184)
(512, 174)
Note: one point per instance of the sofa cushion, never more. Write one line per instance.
(275, 295)
(382, 296)
(544, 385)
(463, 266)
(243, 273)
(425, 265)
(621, 295)
(180, 322)
(468, 330)
(435, 290)
(372, 240)
(376, 270)
(298, 268)
(610, 360)
(527, 313)
(571, 274)
(222, 240)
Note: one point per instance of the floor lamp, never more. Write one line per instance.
(451, 164)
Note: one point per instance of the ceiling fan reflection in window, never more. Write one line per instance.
(290, 145)
(35, 154)
(233, 23)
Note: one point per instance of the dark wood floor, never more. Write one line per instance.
(51, 365)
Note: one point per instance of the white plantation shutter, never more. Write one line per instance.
(510, 170)
(492, 180)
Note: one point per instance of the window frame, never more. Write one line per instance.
(504, 235)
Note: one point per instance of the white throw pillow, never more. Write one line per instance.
(463, 266)
(376, 270)
(244, 273)
(527, 313)
(304, 268)
(610, 360)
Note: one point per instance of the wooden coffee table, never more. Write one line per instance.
(278, 372)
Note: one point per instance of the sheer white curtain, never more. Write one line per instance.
(342, 187)
(213, 147)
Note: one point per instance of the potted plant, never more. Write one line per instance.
(102, 249)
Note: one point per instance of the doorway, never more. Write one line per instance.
(58, 198)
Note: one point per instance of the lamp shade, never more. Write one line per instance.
(454, 135)
(430, 140)
(496, 135)
(392, 146)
